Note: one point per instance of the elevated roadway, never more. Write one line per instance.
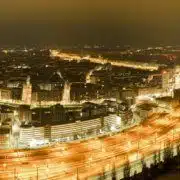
(83, 160)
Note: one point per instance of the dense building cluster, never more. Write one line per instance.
(43, 94)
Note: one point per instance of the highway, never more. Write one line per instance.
(100, 60)
(80, 160)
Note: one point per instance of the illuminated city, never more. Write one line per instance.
(92, 108)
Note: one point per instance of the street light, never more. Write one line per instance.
(173, 131)
(156, 137)
(37, 171)
(77, 174)
(47, 172)
(118, 120)
(4, 166)
(138, 151)
(14, 173)
(37, 168)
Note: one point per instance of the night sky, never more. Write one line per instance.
(71, 22)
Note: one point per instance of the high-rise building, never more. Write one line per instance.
(4, 137)
(25, 114)
(5, 94)
(27, 92)
(167, 79)
(177, 77)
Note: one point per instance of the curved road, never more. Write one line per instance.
(80, 160)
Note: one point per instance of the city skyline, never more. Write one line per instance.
(89, 89)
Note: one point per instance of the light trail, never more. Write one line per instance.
(92, 157)
(100, 60)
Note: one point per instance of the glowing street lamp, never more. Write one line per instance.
(15, 173)
(4, 166)
(77, 174)
(47, 172)
(118, 120)
(37, 171)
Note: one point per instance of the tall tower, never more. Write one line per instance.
(27, 91)
(167, 79)
(66, 97)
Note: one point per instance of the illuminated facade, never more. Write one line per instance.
(42, 134)
(5, 94)
(27, 92)
(4, 137)
(167, 79)
(177, 78)
(25, 114)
